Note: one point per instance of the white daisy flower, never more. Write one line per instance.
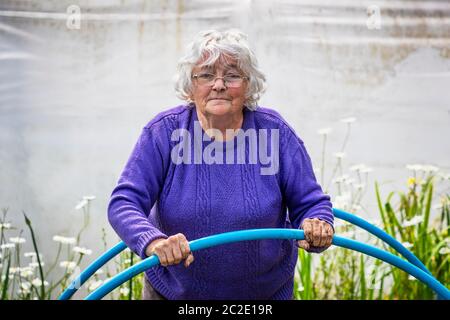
(357, 167)
(413, 221)
(324, 131)
(68, 240)
(38, 283)
(24, 288)
(359, 186)
(36, 264)
(32, 255)
(342, 201)
(339, 155)
(57, 238)
(17, 240)
(81, 250)
(94, 285)
(14, 270)
(348, 120)
(124, 291)
(70, 265)
(430, 168)
(338, 180)
(64, 240)
(350, 181)
(366, 170)
(22, 291)
(407, 244)
(5, 226)
(81, 204)
(26, 272)
(25, 285)
(376, 285)
(341, 179)
(7, 246)
(444, 250)
(414, 167)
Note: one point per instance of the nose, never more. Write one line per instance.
(219, 85)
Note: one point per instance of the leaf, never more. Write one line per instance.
(392, 218)
(380, 205)
(5, 284)
(362, 278)
(41, 272)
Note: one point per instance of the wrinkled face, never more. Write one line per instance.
(218, 99)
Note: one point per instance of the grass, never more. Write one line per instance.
(408, 215)
(35, 281)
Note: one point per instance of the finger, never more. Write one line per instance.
(169, 253)
(189, 260)
(184, 246)
(176, 252)
(161, 256)
(324, 236)
(307, 228)
(303, 244)
(176, 247)
(316, 233)
(330, 236)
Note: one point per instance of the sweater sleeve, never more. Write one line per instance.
(138, 188)
(303, 194)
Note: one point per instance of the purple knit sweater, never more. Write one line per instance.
(155, 197)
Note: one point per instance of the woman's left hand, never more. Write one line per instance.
(318, 235)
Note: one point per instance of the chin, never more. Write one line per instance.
(219, 109)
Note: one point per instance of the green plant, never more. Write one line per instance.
(343, 274)
(410, 221)
(36, 280)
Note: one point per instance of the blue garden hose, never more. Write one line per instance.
(381, 235)
(400, 248)
(259, 234)
(90, 270)
(340, 214)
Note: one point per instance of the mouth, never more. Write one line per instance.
(223, 99)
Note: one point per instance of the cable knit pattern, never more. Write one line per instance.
(202, 229)
(156, 198)
(252, 207)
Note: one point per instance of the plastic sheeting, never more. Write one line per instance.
(74, 93)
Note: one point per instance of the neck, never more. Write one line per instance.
(222, 123)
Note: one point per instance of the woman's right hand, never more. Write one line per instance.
(171, 251)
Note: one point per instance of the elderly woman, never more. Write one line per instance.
(192, 174)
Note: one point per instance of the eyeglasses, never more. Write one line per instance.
(231, 80)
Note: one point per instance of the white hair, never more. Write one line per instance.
(214, 45)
